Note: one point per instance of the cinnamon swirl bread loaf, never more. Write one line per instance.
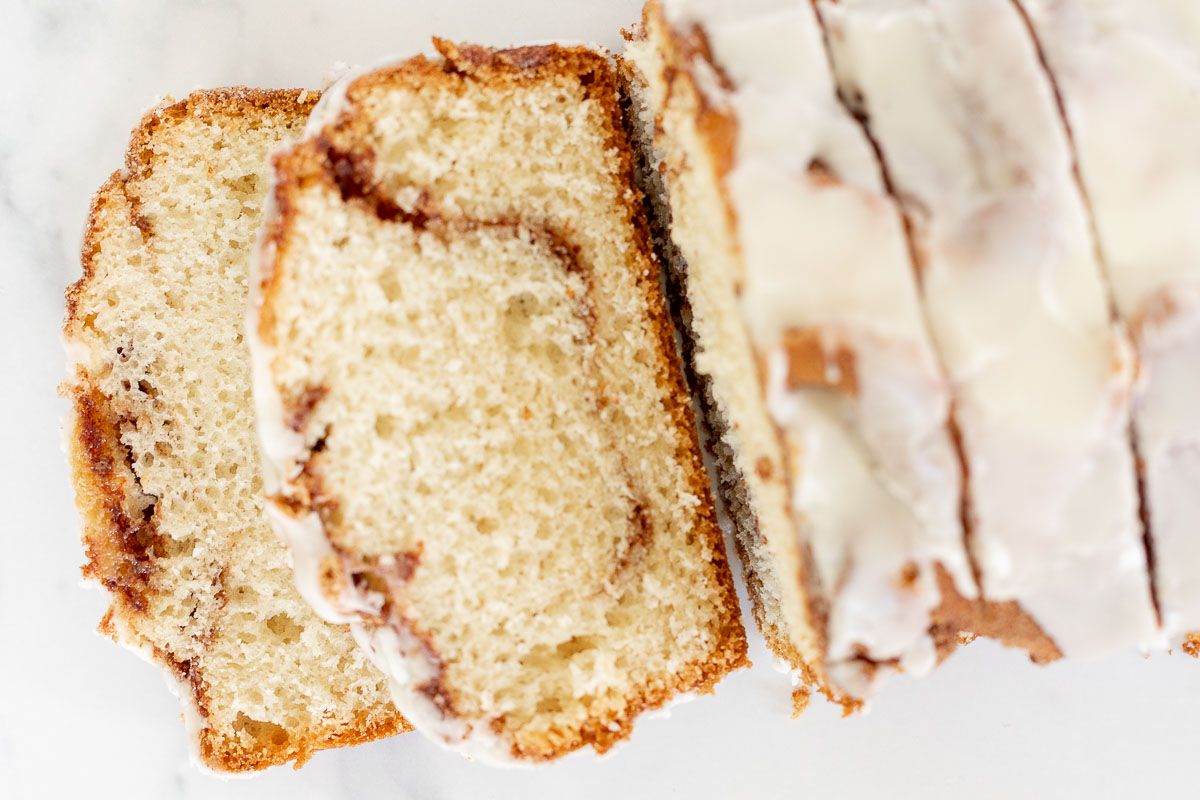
(467, 386)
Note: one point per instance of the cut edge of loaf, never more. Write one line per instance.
(716, 132)
(329, 570)
(118, 541)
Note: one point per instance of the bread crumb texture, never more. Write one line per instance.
(163, 451)
(503, 450)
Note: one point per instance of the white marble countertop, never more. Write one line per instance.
(81, 717)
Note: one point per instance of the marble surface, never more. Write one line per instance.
(80, 717)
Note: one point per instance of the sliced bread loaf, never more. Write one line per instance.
(1127, 71)
(845, 235)
(829, 413)
(163, 453)
(470, 399)
(965, 117)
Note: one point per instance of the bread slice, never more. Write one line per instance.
(163, 453)
(467, 386)
(829, 411)
(966, 122)
(1127, 72)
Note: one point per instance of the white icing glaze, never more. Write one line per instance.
(968, 127)
(79, 355)
(308, 549)
(405, 661)
(1169, 438)
(1129, 75)
(333, 102)
(1129, 72)
(876, 478)
(281, 448)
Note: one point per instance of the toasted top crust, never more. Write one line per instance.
(160, 544)
(374, 573)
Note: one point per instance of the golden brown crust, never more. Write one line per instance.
(233, 756)
(119, 535)
(91, 246)
(228, 101)
(1004, 621)
(321, 159)
(811, 364)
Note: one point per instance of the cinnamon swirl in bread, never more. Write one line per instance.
(163, 452)
(469, 396)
